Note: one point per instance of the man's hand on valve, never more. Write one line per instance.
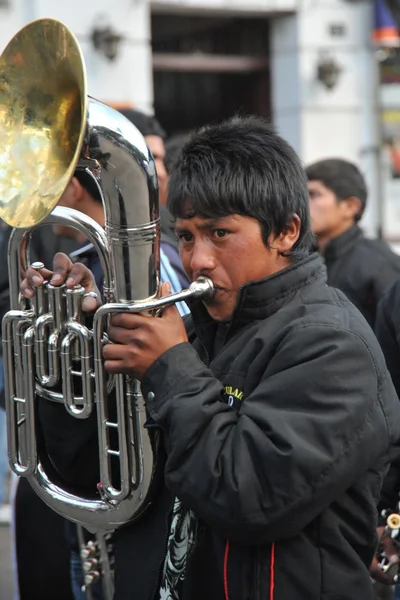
(139, 340)
(64, 271)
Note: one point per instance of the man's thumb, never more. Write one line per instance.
(165, 289)
(170, 310)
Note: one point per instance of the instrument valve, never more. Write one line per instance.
(90, 565)
(91, 577)
(88, 551)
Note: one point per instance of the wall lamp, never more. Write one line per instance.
(107, 41)
(328, 72)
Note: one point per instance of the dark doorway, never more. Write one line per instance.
(207, 69)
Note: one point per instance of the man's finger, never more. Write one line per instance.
(171, 310)
(129, 320)
(65, 271)
(165, 289)
(62, 265)
(34, 278)
(117, 367)
(119, 335)
(72, 274)
(80, 274)
(114, 351)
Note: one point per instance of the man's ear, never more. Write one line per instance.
(285, 241)
(73, 194)
(352, 206)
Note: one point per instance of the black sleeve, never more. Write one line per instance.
(300, 439)
(387, 329)
(387, 269)
(389, 497)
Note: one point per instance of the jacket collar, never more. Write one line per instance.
(341, 244)
(259, 299)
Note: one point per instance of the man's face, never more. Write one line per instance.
(230, 251)
(328, 215)
(67, 200)
(157, 147)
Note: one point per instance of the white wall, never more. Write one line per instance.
(323, 123)
(127, 79)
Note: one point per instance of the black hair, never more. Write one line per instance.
(173, 149)
(89, 184)
(241, 166)
(342, 177)
(147, 124)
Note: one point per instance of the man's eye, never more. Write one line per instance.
(220, 233)
(185, 237)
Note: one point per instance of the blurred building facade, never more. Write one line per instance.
(308, 65)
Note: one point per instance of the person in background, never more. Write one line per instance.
(362, 268)
(173, 149)
(155, 137)
(387, 329)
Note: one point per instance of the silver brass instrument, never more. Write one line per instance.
(50, 128)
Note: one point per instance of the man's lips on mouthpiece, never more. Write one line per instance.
(218, 288)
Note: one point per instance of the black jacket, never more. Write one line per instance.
(278, 444)
(387, 329)
(362, 268)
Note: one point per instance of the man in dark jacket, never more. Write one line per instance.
(387, 329)
(275, 407)
(362, 268)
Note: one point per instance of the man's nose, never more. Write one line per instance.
(202, 259)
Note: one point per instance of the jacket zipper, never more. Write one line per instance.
(207, 356)
(264, 574)
(207, 362)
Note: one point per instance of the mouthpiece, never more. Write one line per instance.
(203, 288)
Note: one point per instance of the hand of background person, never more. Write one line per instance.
(392, 554)
(378, 575)
(64, 271)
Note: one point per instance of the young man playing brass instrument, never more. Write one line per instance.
(274, 402)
